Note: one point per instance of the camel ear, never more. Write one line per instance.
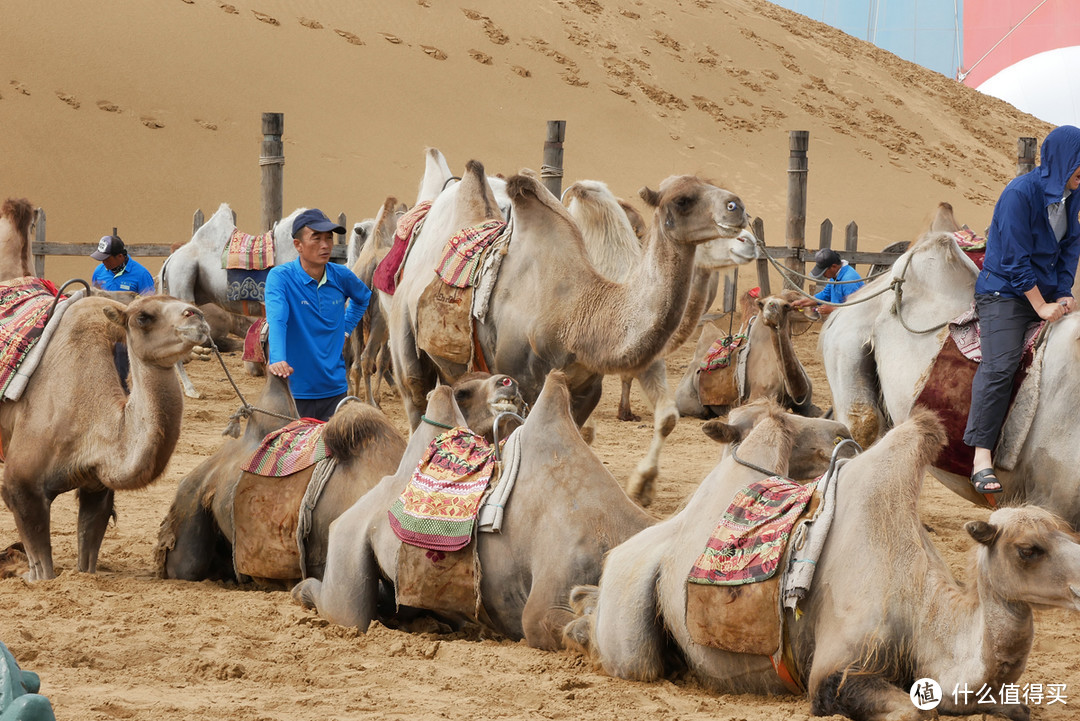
(722, 432)
(115, 315)
(984, 533)
(760, 302)
(651, 197)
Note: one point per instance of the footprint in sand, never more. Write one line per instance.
(482, 58)
(493, 31)
(231, 9)
(521, 71)
(349, 37)
(206, 124)
(69, 99)
(433, 52)
(391, 38)
(264, 18)
(188, 2)
(20, 88)
(151, 122)
(108, 107)
(309, 23)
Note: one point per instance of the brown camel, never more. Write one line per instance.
(612, 230)
(773, 369)
(16, 256)
(99, 440)
(551, 309)
(226, 327)
(868, 627)
(197, 538)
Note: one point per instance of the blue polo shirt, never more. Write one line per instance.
(307, 321)
(133, 277)
(836, 292)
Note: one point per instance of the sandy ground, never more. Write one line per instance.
(122, 644)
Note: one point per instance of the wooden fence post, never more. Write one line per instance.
(731, 289)
(39, 236)
(1025, 155)
(272, 161)
(551, 172)
(343, 239)
(762, 263)
(798, 168)
(197, 221)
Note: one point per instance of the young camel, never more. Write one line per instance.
(100, 440)
(869, 629)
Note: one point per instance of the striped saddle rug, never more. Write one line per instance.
(248, 252)
(289, 450)
(461, 260)
(387, 272)
(24, 310)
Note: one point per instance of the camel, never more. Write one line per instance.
(876, 366)
(773, 369)
(16, 253)
(226, 327)
(865, 630)
(612, 230)
(99, 439)
(196, 538)
(193, 271)
(551, 309)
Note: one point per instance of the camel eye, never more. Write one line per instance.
(732, 206)
(1030, 553)
(143, 319)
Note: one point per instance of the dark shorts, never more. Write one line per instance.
(320, 408)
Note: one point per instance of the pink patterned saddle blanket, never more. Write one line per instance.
(388, 271)
(290, 449)
(24, 310)
(248, 252)
(461, 260)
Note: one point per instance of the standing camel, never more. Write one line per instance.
(99, 440)
(551, 309)
(16, 257)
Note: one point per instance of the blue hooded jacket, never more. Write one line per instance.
(1022, 250)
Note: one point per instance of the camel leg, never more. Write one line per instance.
(543, 622)
(625, 412)
(189, 387)
(95, 509)
(872, 698)
(665, 415)
(30, 508)
(189, 540)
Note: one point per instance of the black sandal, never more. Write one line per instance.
(984, 479)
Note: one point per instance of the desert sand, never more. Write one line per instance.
(134, 114)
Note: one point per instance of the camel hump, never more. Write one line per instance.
(20, 212)
(476, 169)
(357, 427)
(524, 188)
(554, 400)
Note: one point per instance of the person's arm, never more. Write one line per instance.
(1016, 241)
(1047, 311)
(277, 318)
(359, 296)
(1070, 256)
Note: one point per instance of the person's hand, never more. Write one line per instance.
(281, 369)
(804, 302)
(1068, 303)
(1051, 311)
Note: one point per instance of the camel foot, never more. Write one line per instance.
(641, 487)
(193, 394)
(628, 416)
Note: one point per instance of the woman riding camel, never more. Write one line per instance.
(1027, 277)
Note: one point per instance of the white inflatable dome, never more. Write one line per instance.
(1047, 85)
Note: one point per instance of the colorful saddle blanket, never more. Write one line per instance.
(438, 508)
(253, 343)
(385, 278)
(749, 540)
(246, 286)
(947, 390)
(973, 245)
(290, 449)
(24, 309)
(461, 261)
(249, 252)
(720, 352)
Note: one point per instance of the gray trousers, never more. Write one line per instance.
(1003, 322)
(319, 408)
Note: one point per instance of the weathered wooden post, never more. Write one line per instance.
(342, 239)
(851, 240)
(731, 289)
(39, 237)
(1025, 155)
(272, 161)
(197, 221)
(551, 172)
(762, 263)
(799, 141)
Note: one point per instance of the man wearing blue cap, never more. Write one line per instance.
(117, 270)
(307, 317)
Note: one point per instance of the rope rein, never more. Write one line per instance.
(246, 409)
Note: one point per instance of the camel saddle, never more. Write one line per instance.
(248, 252)
(733, 591)
(444, 325)
(719, 383)
(266, 512)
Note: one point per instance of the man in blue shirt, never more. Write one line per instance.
(307, 318)
(117, 270)
(831, 266)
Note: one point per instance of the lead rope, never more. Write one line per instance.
(246, 409)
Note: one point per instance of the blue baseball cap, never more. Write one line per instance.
(316, 220)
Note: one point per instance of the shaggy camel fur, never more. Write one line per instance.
(99, 439)
(16, 257)
(773, 369)
(550, 309)
(196, 537)
(869, 629)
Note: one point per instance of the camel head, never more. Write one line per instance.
(482, 396)
(1028, 555)
(778, 312)
(814, 438)
(689, 210)
(161, 330)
